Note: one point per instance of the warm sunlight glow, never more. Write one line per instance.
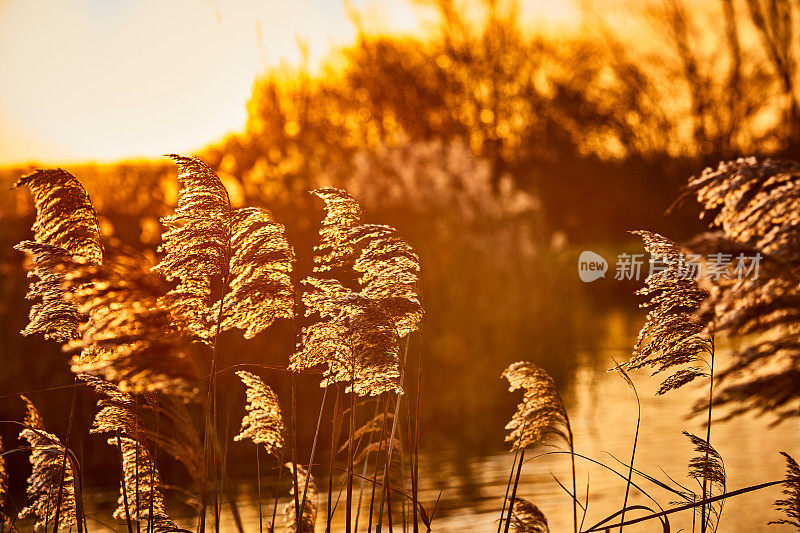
(95, 80)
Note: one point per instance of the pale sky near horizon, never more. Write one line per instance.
(107, 79)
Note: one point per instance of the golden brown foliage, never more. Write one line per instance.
(64, 215)
(47, 460)
(128, 337)
(790, 505)
(118, 417)
(263, 422)
(309, 516)
(220, 257)
(65, 231)
(541, 412)
(387, 267)
(527, 518)
(673, 334)
(5, 517)
(260, 267)
(708, 467)
(753, 210)
(356, 341)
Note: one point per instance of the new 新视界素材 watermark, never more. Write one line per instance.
(714, 267)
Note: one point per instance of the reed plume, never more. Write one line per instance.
(752, 210)
(356, 341)
(389, 272)
(128, 337)
(541, 412)
(527, 518)
(262, 423)
(342, 213)
(674, 335)
(708, 469)
(65, 217)
(357, 336)
(309, 514)
(5, 517)
(141, 497)
(790, 506)
(386, 266)
(142, 481)
(65, 232)
(261, 263)
(196, 243)
(50, 471)
(51, 316)
(117, 409)
(231, 265)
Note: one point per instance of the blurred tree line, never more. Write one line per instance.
(622, 108)
(497, 151)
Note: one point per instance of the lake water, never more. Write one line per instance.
(603, 414)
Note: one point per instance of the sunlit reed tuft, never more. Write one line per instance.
(309, 515)
(752, 209)
(708, 469)
(64, 215)
(527, 518)
(357, 342)
(387, 267)
(790, 505)
(47, 460)
(262, 423)
(541, 412)
(239, 259)
(65, 231)
(673, 334)
(5, 516)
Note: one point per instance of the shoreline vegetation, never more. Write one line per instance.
(139, 334)
(261, 315)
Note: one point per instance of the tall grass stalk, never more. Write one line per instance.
(124, 489)
(293, 430)
(508, 489)
(64, 461)
(366, 466)
(635, 438)
(703, 518)
(514, 490)
(313, 448)
(390, 449)
(350, 451)
(258, 483)
(377, 462)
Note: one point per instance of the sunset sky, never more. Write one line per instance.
(100, 80)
